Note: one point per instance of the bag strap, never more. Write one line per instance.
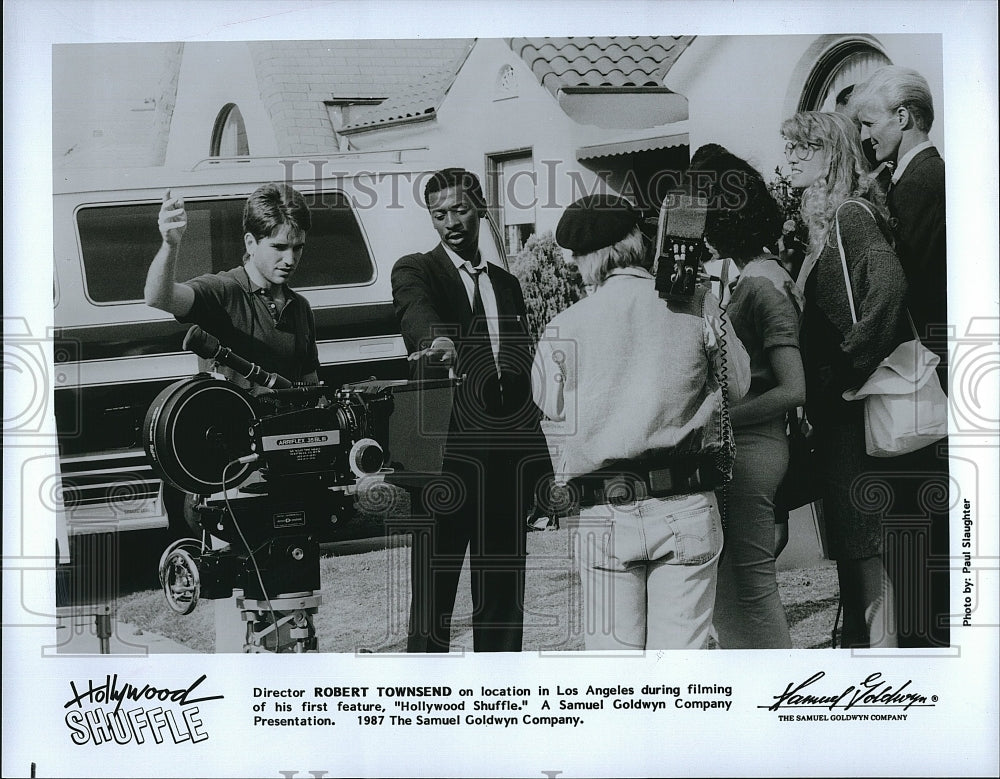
(843, 260)
(913, 326)
(847, 276)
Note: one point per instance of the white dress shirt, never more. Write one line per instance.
(486, 292)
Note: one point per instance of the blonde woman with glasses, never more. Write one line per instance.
(843, 210)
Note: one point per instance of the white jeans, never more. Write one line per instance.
(648, 570)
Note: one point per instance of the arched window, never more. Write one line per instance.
(229, 136)
(846, 63)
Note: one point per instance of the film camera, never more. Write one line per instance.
(295, 457)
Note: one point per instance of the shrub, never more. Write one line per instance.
(794, 234)
(550, 284)
(789, 200)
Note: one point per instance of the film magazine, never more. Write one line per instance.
(356, 103)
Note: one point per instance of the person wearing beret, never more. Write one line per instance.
(631, 386)
(457, 311)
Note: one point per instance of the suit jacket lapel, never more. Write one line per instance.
(509, 327)
(503, 293)
(453, 285)
(915, 163)
(892, 195)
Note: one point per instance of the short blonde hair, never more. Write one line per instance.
(891, 87)
(631, 251)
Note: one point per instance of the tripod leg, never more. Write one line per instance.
(283, 625)
(103, 622)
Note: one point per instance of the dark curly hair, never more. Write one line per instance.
(743, 217)
(455, 177)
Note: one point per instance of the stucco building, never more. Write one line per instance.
(542, 120)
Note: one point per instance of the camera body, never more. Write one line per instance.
(681, 252)
(267, 475)
(205, 434)
(335, 442)
(297, 454)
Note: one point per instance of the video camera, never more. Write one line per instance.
(682, 281)
(297, 455)
(681, 252)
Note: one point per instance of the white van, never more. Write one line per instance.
(114, 354)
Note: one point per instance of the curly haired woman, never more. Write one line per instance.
(844, 212)
(743, 220)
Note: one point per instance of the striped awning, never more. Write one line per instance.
(631, 145)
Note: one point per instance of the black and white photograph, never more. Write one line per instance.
(536, 388)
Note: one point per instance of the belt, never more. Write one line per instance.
(626, 482)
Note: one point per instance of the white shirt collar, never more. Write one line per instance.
(902, 163)
(632, 270)
(459, 262)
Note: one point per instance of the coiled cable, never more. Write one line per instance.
(727, 451)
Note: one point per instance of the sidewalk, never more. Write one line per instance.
(77, 633)
(804, 548)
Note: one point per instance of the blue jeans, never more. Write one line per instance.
(748, 610)
(648, 570)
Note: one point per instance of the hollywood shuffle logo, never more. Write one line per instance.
(103, 725)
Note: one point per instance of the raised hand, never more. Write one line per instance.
(172, 219)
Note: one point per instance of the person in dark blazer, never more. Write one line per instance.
(895, 106)
(456, 311)
(916, 202)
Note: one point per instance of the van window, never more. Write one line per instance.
(118, 243)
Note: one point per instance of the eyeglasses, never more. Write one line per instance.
(803, 151)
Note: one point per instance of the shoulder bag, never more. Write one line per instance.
(905, 407)
(801, 484)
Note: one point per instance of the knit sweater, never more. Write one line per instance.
(879, 290)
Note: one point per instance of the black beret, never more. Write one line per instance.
(595, 221)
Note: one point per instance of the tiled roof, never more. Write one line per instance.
(600, 62)
(295, 78)
(419, 99)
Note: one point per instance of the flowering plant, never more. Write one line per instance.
(550, 284)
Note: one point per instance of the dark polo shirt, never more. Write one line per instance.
(233, 309)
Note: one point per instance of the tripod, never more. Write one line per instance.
(280, 624)
(274, 552)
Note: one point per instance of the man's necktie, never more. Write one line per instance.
(478, 310)
(480, 326)
(490, 388)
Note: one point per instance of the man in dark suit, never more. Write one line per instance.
(457, 311)
(895, 106)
